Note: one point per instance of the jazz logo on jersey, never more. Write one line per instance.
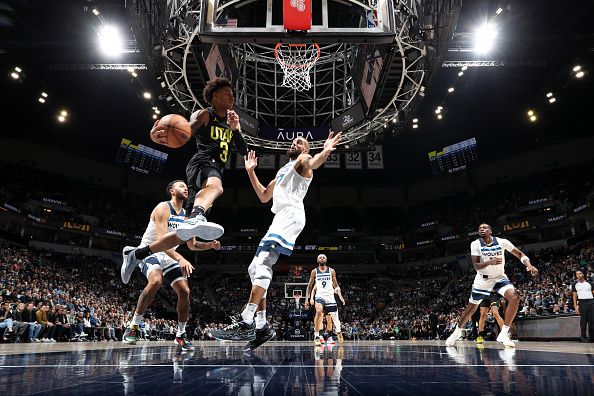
(224, 135)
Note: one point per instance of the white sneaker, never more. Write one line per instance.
(455, 336)
(454, 354)
(330, 341)
(503, 338)
(129, 263)
(200, 228)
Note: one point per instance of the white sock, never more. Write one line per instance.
(260, 319)
(505, 330)
(137, 319)
(181, 328)
(248, 313)
(316, 334)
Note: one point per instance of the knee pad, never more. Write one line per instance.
(334, 316)
(263, 269)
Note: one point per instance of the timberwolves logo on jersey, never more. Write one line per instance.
(283, 171)
(491, 250)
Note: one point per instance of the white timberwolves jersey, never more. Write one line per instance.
(324, 286)
(495, 249)
(290, 188)
(150, 235)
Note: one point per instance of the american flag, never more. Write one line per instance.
(226, 22)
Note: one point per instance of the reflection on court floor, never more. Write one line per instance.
(280, 368)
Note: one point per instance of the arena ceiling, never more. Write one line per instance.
(54, 43)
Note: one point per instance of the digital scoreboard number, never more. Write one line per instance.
(453, 158)
(140, 158)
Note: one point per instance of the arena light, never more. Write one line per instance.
(17, 69)
(15, 75)
(464, 68)
(550, 94)
(499, 10)
(439, 116)
(460, 74)
(110, 40)
(437, 111)
(157, 111)
(134, 74)
(577, 68)
(61, 118)
(154, 116)
(64, 113)
(533, 118)
(484, 38)
(44, 94)
(41, 100)
(415, 126)
(579, 74)
(415, 120)
(552, 100)
(530, 112)
(96, 12)
(147, 95)
(451, 89)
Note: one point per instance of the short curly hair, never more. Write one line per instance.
(214, 85)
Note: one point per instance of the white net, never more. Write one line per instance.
(296, 60)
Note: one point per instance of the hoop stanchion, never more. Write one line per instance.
(296, 60)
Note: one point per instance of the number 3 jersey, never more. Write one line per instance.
(215, 140)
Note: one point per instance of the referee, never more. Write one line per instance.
(583, 301)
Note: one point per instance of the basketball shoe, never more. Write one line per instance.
(183, 342)
(480, 339)
(455, 336)
(236, 331)
(200, 228)
(131, 335)
(503, 338)
(263, 335)
(129, 263)
(340, 338)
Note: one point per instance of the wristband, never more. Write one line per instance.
(523, 259)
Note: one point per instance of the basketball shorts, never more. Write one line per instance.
(329, 304)
(283, 232)
(491, 301)
(198, 172)
(160, 261)
(482, 287)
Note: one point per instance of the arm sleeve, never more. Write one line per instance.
(239, 143)
(573, 287)
(507, 245)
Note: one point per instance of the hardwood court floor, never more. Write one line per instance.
(298, 368)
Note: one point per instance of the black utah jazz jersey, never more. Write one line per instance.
(214, 140)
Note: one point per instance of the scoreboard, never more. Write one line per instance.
(140, 158)
(453, 158)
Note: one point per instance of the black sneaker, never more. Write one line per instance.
(263, 335)
(237, 331)
(183, 342)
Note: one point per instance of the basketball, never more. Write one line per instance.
(177, 129)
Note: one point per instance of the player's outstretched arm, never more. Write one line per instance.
(264, 193)
(318, 160)
(525, 260)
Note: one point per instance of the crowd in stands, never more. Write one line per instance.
(502, 203)
(48, 297)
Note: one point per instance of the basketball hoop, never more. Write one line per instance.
(296, 60)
